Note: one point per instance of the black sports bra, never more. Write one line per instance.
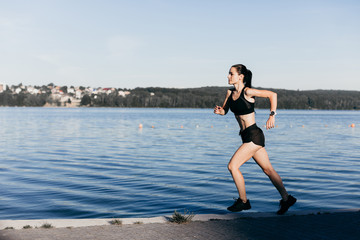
(240, 106)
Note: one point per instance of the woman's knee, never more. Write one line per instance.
(232, 167)
(269, 171)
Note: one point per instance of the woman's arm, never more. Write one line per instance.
(224, 109)
(272, 96)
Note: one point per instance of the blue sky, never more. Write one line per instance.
(156, 43)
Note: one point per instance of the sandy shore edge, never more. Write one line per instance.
(73, 223)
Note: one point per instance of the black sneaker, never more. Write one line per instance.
(284, 205)
(239, 205)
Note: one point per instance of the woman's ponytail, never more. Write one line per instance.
(247, 78)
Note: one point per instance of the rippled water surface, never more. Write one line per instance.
(97, 163)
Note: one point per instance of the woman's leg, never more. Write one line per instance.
(262, 159)
(242, 155)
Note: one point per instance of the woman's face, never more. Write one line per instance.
(234, 76)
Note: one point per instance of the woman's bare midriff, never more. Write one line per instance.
(245, 121)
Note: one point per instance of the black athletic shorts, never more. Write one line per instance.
(253, 134)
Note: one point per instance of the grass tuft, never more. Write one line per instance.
(27, 227)
(181, 218)
(116, 222)
(47, 225)
(8, 228)
(138, 222)
(214, 219)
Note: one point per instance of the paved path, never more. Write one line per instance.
(343, 225)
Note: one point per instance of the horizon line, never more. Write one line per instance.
(125, 88)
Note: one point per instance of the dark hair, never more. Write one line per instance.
(241, 69)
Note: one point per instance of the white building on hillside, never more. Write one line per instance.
(2, 87)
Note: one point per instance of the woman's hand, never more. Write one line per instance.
(219, 110)
(270, 122)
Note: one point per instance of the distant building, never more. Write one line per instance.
(123, 93)
(33, 90)
(78, 94)
(71, 90)
(2, 87)
(18, 90)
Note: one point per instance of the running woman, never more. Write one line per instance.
(240, 100)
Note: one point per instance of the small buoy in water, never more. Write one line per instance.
(326, 125)
(181, 126)
(303, 126)
(352, 125)
(212, 126)
(153, 126)
(140, 125)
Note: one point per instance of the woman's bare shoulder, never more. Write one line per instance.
(228, 92)
(253, 92)
(250, 91)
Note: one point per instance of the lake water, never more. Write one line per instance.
(97, 163)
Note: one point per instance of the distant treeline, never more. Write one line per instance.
(208, 97)
(10, 99)
(205, 97)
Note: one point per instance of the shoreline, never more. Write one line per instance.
(335, 224)
(75, 223)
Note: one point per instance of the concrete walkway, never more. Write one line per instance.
(294, 225)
